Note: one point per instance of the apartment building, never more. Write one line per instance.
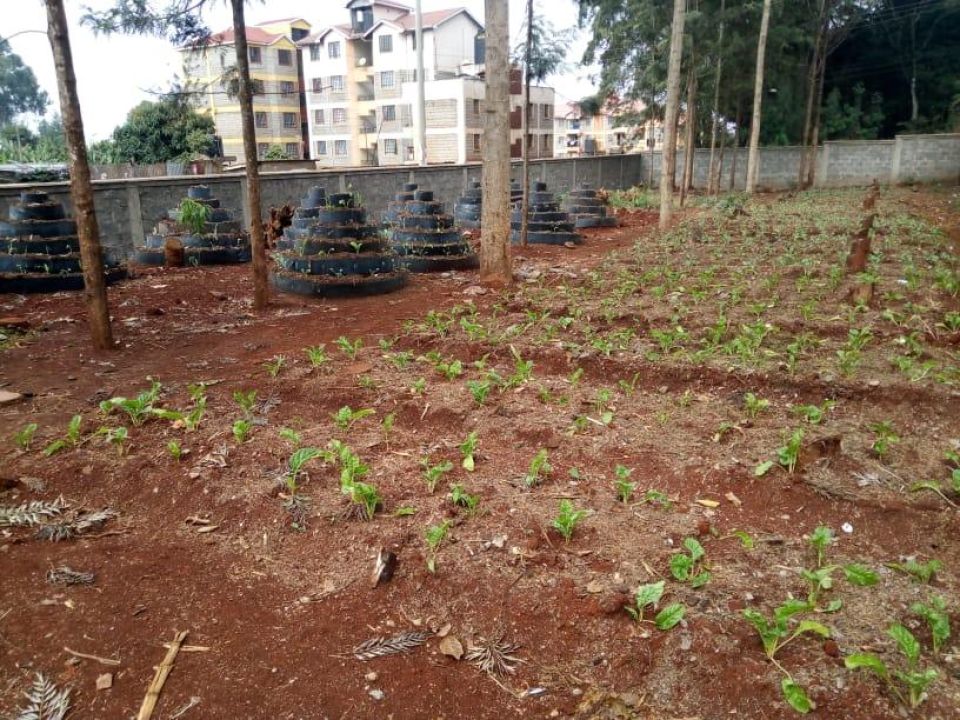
(362, 91)
(604, 133)
(276, 73)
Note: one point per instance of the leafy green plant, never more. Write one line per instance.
(849, 361)
(241, 429)
(522, 369)
(450, 369)
(246, 401)
(479, 389)
(913, 679)
(656, 497)
(363, 496)
(418, 386)
(688, 566)
(435, 535)
(938, 620)
(648, 596)
(291, 436)
(820, 539)
(460, 497)
(116, 436)
(567, 519)
(349, 348)
(539, 468)
(813, 414)
(922, 572)
(296, 463)
(789, 454)
(625, 488)
(884, 438)
(72, 438)
(346, 416)
(193, 215)
(174, 450)
(387, 424)
(467, 450)
(139, 409)
(275, 365)
(317, 355)
(754, 405)
(433, 474)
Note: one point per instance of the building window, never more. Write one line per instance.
(260, 119)
(339, 116)
(476, 143)
(262, 150)
(408, 152)
(292, 150)
(386, 43)
(389, 147)
(340, 147)
(256, 87)
(476, 107)
(387, 79)
(333, 50)
(547, 112)
(389, 113)
(316, 85)
(413, 36)
(318, 117)
(321, 147)
(314, 51)
(255, 55)
(547, 140)
(285, 57)
(336, 83)
(289, 120)
(287, 87)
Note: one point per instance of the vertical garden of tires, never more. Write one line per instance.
(424, 236)
(468, 208)
(331, 250)
(40, 250)
(587, 209)
(548, 224)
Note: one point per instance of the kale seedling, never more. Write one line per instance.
(317, 355)
(246, 401)
(754, 405)
(913, 679)
(648, 596)
(467, 450)
(539, 468)
(938, 619)
(884, 437)
(460, 497)
(625, 488)
(346, 416)
(275, 365)
(435, 535)
(241, 429)
(567, 519)
(921, 572)
(433, 474)
(687, 567)
(348, 348)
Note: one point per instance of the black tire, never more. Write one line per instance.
(325, 287)
(336, 266)
(38, 211)
(24, 284)
(40, 264)
(199, 192)
(428, 249)
(443, 237)
(444, 263)
(424, 222)
(315, 197)
(42, 246)
(547, 238)
(594, 221)
(342, 200)
(34, 197)
(315, 246)
(193, 257)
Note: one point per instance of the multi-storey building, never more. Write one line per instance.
(604, 133)
(361, 88)
(276, 74)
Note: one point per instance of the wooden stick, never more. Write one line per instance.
(160, 677)
(102, 660)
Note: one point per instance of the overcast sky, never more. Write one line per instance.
(115, 73)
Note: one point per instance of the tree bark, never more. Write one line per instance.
(525, 203)
(690, 132)
(712, 187)
(669, 166)
(258, 247)
(815, 132)
(753, 157)
(806, 153)
(736, 148)
(81, 189)
(495, 240)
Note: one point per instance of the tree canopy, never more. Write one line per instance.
(19, 91)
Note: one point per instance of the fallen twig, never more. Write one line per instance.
(160, 677)
(102, 660)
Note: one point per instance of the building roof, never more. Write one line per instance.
(255, 36)
(385, 3)
(431, 20)
(345, 30)
(282, 20)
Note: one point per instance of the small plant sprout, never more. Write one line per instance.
(116, 436)
(241, 430)
(174, 450)
(363, 496)
(291, 436)
(938, 620)
(419, 386)
(788, 455)
(813, 414)
(625, 488)
(648, 596)
(567, 519)
(451, 369)
(656, 497)
(688, 566)
(246, 401)
(461, 498)
(884, 438)
(820, 539)
(467, 450)
(346, 416)
(522, 369)
(72, 438)
(275, 365)
(386, 425)
(479, 389)
(349, 348)
(139, 409)
(913, 679)
(754, 405)
(539, 468)
(433, 474)
(435, 535)
(921, 572)
(317, 355)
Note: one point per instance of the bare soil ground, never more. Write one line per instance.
(649, 351)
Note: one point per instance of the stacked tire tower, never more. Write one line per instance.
(546, 223)
(222, 241)
(586, 209)
(424, 236)
(331, 251)
(40, 250)
(468, 209)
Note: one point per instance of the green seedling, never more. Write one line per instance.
(625, 488)
(72, 438)
(435, 535)
(246, 401)
(400, 360)
(295, 465)
(139, 409)
(848, 360)
(754, 405)
(174, 450)
(567, 519)
(656, 497)
(813, 414)
(193, 215)
(913, 679)
(688, 566)
(405, 511)
(921, 572)
(938, 620)
(884, 438)
(241, 430)
(317, 355)
(789, 454)
(479, 389)
(433, 474)
(539, 468)
(291, 436)
(348, 348)
(387, 424)
(363, 496)
(460, 497)
(522, 369)
(116, 436)
(451, 370)
(274, 365)
(467, 450)
(820, 539)
(419, 386)
(346, 416)
(648, 596)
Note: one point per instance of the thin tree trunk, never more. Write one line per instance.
(495, 239)
(815, 132)
(818, 47)
(81, 189)
(715, 180)
(669, 166)
(711, 187)
(690, 133)
(753, 157)
(736, 148)
(258, 245)
(525, 204)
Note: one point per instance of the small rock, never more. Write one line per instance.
(452, 647)
(105, 681)
(475, 290)
(613, 603)
(703, 527)
(370, 677)
(831, 648)
(377, 694)
(8, 398)
(686, 641)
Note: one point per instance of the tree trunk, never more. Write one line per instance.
(753, 157)
(711, 187)
(258, 248)
(806, 153)
(715, 179)
(690, 133)
(736, 148)
(495, 220)
(81, 189)
(525, 145)
(669, 165)
(815, 133)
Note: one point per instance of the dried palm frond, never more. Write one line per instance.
(64, 575)
(70, 528)
(495, 656)
(381, 646)
(46, 701)
(35, 512)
